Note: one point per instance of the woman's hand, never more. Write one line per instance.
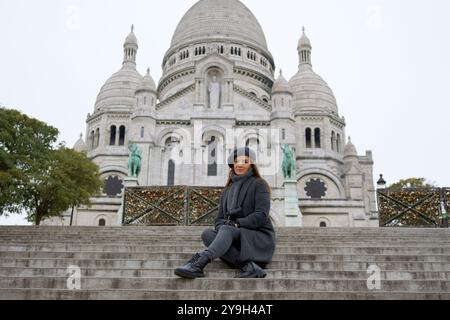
(232, 224)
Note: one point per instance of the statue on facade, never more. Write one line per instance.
(214, 94)
(134, 163)
(289, 166)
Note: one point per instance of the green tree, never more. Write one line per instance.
(37, 177)
(412, 183)
(25, 147)
(70, 181)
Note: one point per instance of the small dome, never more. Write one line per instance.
(147, 83)
(312, 92)
(304, 41)
(80, 145)
(281, 85)
(120, 89)
(350, 149)
(131, 39)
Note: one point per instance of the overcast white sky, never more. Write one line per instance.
(387, 62)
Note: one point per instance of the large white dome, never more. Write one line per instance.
(219, 19)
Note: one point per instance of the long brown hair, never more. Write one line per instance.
(256, 174)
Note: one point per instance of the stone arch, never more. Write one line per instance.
(215, 156)
(218, 62)
(325, 174)
(122, 170)
(322, 220)
(180, 133)
(253, 92)
(102, 218)
(256, 135)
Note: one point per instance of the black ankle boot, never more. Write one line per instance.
(194, 268)
(252, 270)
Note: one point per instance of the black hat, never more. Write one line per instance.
(240, 153)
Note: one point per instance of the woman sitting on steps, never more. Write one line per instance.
(244, 237)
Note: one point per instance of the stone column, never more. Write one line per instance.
(294, 217)
(128, 182)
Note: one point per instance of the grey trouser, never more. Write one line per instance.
(224, 244)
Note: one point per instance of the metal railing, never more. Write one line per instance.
(414, 207)
(177, 205)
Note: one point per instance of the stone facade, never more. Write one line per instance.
(218, 92)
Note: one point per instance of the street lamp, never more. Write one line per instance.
(381, 183)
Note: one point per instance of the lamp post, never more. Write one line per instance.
(381, 183)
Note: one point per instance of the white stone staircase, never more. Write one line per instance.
(138, 263)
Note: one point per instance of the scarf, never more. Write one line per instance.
(233, 193)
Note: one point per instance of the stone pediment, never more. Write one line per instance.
(214, 61)
(256, 101)
(175, 97)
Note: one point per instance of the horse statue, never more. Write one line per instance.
(289, 166)
(134, 163)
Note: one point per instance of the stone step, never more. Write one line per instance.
(176, 247)
(54, 294)
(138, 262)
(137, 229)
(385, 243)
(224, 273)
(167, 255)
(168, 235)
(159, 264)
(88, 283)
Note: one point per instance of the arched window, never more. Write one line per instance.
(112, 139)
(92, 139)
(97, 138)
(338, 143)
(145, 100)
(171, 173)
(142, 132)
(254, 144)
(323, 224)
(122, 136)
(333, 141)
(308, 138)
(317, 138)
(283, 134)
(212, 157)
(102, 223)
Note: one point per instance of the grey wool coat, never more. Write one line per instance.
(258, 238)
